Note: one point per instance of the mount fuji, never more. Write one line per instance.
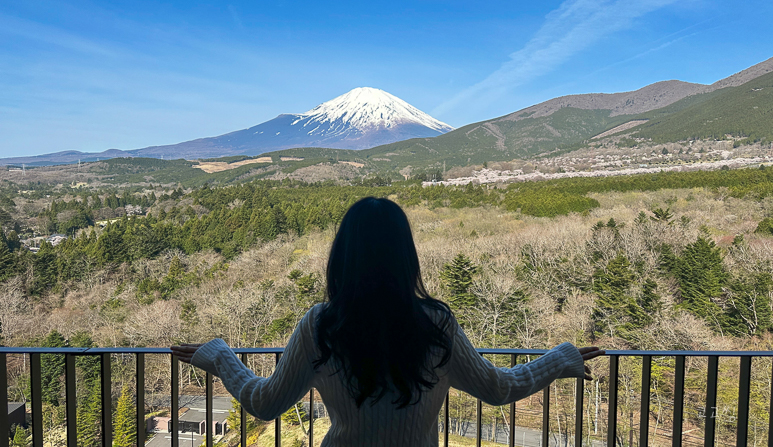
(359, 119)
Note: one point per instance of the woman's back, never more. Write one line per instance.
(379, 422)
(382, 352)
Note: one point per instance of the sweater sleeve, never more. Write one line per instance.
(266, 398)
(470, 372)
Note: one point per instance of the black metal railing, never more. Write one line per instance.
(709, 429)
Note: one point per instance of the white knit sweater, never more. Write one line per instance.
(381, 424)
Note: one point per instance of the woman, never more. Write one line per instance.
(381, 352)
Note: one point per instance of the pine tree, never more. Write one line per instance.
(44, 267)
(21, 438)
(457, 278)
(174, 279)
(701, 276)
(235, 418)
(662, 215)
(89, 365)
(124, 425)
(7, 261)
(649, 301)
(765, 227)
(290, 417)
(616, 312)
(88, 419)
(52, 368)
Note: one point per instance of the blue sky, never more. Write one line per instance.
(90, 76)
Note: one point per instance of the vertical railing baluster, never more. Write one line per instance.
(744, 381)
(243, 416)
(311, 417)
(770, 411)
(447, 419)
(5, 426)
(36, 396)
(107, 400)
(277, 421)
(208, 410)
(511, 438)
(175, 402)
(644, 410)
(478, 423)
(711, 401)
(71, 404)
(546, 416)
(612, 410)
(139, 374)
(676, 434)
(578, 411)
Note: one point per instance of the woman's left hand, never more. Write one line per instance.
(185, 351)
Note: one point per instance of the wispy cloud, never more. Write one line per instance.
(50, 35)
(573, 27)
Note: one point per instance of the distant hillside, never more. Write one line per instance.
(737, 105)
(745, 111)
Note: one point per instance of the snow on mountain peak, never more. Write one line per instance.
(366, 107)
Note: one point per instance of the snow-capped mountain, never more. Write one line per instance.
(363, 110)
(360, 119)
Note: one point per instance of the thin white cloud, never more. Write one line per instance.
(573, 27)
(50, 35)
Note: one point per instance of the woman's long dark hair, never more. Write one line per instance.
(375, 327)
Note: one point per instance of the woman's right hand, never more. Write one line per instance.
(185, 351)
(589, 353)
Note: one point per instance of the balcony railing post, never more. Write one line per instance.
(511, 438)
(5, 427)
(644, 410)
(175, 402)
(107, 400)
(579, 411)
(744, 379)
(612, 410)
(243, 416)
(209, 417)
(277, 421)
(770, 412)
(71, 404)
(676, 433)
(140, 379)
(546, 416)
(311, 417)
(36, 398)
(711, 401)
(446, 419)
(478, 422)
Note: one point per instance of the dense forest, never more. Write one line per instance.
(655, 261)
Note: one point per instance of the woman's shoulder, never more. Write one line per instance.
(440, 314)
(310, 318)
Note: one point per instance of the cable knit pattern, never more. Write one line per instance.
(380, 424)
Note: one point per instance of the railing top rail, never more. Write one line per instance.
(633, 353)
(279, 350)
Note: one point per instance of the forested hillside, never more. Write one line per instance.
(665, 261)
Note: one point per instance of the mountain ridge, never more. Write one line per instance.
(551, 126)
